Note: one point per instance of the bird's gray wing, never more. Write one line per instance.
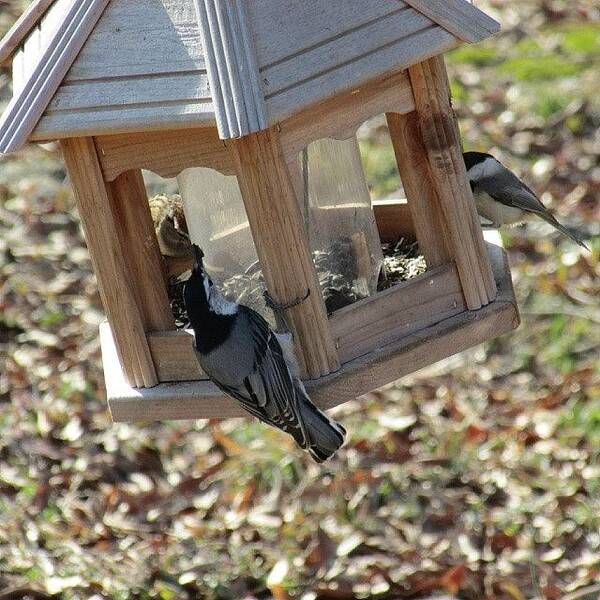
(505, 187)
(267, 391)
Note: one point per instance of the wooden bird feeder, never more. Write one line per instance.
(243, 87)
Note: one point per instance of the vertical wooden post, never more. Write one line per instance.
(441, 139)
(146, 268)
(423, 203)
(282, 246)
(102, 236)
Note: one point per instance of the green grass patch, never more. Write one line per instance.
(380, 167)
(480, 55)
(540, 68)
(581, 38)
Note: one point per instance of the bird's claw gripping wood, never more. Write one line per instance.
(279, 309)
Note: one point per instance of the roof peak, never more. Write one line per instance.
(24, 24)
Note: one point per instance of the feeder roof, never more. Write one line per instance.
(109, 66)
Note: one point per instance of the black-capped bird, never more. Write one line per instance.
(502, 198)
(247, 360)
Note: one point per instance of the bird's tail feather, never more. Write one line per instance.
(324, 436)
(552, 220)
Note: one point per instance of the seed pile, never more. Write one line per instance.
(337, 272)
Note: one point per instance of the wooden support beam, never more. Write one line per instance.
(441, 139)
(413, 166)
(147, 270)
(282, 246)
(107, 254)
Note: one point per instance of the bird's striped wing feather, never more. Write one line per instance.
(268, 391)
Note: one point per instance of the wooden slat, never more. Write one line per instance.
(394, 220)
(107, 254)
(442, 143)
(341, 116)
(194, 400)
(308, 23)
(232, 69)
(459, 17)
(353, 45)
(18, 32)
(413, 166)
(392, 57)
(166, 153)
(282, 246)
(141, 37)
(173, 355)
(25, 60)
(25, 109)
(181, 114)
(144, 262)
(401, 310)
(141, 69)
(131, 92)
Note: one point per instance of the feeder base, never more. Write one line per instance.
(202, 400)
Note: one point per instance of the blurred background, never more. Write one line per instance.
(476, 478)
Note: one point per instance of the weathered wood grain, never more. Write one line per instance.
(142, 68)
(22, 27)
(439, 131)
(25, 109)
(459, 17)
(173, 355)
(232, 68)
(108, 257)
(422, 44)
(397, 312)
(282, 246)
(341, 116)
(415, 173)
(142, 255)
(166, 153)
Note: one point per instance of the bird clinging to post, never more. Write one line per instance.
(502, 198)
(248, 361)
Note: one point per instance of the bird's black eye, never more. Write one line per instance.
(210, 283)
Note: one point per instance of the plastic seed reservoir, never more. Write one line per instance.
(339, 219)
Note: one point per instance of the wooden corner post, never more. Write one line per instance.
(105, 229)
(439, 184)
(282, 246)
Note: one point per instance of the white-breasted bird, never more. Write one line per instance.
(247, 360)
(502, 198)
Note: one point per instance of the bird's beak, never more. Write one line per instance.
(198, 256)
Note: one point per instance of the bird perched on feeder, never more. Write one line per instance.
(170, 225)
(247, 360)
(502, 198)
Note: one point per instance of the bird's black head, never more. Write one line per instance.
(474, 158)
(196, 291)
